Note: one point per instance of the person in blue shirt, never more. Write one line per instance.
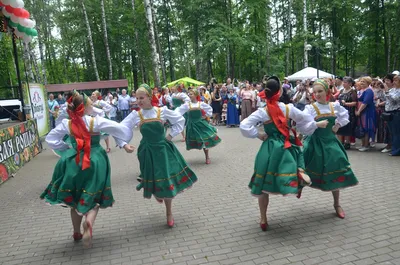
(52, 103)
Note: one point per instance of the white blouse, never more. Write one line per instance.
(63, 114)
(55, 137)
(181, 95)
(199, 105)
(305, 123)
(103, 105)
(333, 108)
(176, 120)
(168, 99)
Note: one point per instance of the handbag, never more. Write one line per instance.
(387, 116)
(359, 130)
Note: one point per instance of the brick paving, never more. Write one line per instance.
(216, 221)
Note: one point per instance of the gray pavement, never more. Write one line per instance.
(216, 221)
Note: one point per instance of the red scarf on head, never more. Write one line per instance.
(81, 134)
(277, 116)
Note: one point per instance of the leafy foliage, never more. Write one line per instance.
(201, 39)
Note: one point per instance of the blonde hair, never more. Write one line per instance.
(144, 90)
(97, 93)
(366, 79)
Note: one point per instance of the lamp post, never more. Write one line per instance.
(308, 47)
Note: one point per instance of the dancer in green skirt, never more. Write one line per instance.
(279, 166)
(199, 133)
(99, 103)
(63, 114)
(325, 158)
(178, 98)
(164, 172)
(81, 178)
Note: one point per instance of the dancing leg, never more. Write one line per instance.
(183, 135)
(336, 205)
(88, 227)
(107, 140)
(168, 207)
(263, 202)
(208, 161)
(76, 223)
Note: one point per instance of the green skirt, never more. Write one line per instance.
(276, 168)
(81, 189)
(163, 170)
(200, 134)
(327, 163)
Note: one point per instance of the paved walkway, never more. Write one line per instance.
(216, 221)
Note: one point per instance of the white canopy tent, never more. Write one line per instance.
(308, 73)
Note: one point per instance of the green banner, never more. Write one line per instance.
(18, 145)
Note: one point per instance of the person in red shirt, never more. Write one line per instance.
(156, 97)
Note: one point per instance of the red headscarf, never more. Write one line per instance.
(81, 134)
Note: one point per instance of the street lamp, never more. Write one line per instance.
(328, 46)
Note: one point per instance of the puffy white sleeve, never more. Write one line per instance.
(248, 126)
(97, 112)
(160, 103)
(185, 97)
(115, 129)
(55, 137)
(63, 114)
(342, 115)
(129, 122)
(207, 109)
(105, 106)
(169, 99)
(305, 122)
(309, 109)
(177, 121)
(182, 109)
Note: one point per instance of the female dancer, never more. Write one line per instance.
(99, 103)
(81, 178)
(179, 98)
(63, 114)
(282, 174)
(199, 133)
(324, 156)
(165, 99)
(163, 170)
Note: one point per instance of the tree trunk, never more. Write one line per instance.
(134, 70)
(276, 21)
(42, 61)
(196, 49)
(334, 38)
(89, 32)
(385, 37)
(154, 56)
(104, 22)
(171, 64)
(267, 38)
(34, 63)
(159, 49)
(136, 45)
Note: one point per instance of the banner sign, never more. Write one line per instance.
(18, 145)
(38, 99)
